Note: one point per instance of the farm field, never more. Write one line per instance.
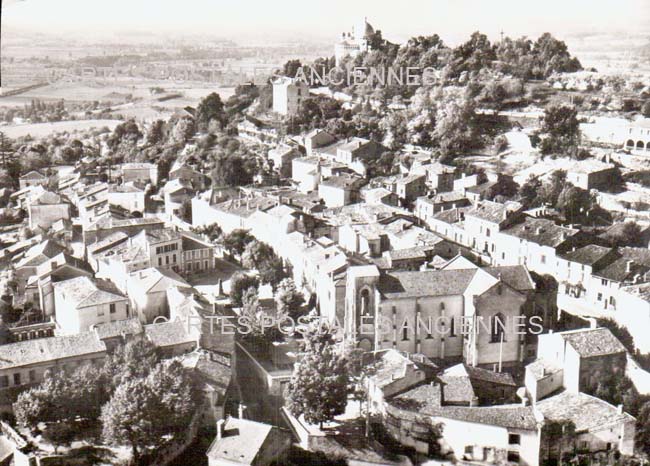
(43, 129)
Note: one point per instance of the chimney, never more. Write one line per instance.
(220, 428)
(538, 230)
(524, 401)
(619, 409)
(628, 266)
(240, 411)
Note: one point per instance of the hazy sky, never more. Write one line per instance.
(398, 19)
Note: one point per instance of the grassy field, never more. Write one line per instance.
(43, 129)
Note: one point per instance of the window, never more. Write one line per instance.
(513, 456)
(503, 256)
(487, 232)
(158, 250)
(612, 301)
(174, 258)
(166, 260)
(452, 327)
(469, 450)
(32, 375)
(600, 296)
(497, 328)
(17, 379)
(160, 261)
(111, 308)
(543, 259)
(603, 282)
(100, 311)
(514, 439)
(4, 381)
(405, 334)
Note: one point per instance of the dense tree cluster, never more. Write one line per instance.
(137, 398)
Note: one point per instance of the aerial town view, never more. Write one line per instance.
(325, 233)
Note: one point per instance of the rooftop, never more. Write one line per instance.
(590, 166)
(541, 231)
(494, 212)
(587, 255)
(240, 442)
(168, 334)
(426, 399)
(593, 342)
(85, 292)
(118, 328)
(41, 350)
(343, 182)
(586, 412)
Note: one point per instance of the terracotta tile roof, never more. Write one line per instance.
(85, 292)
(426, 399)
(41, 350)
(118, 328)
(586, 412)
(168, 334)
(494, 212)
(541, 231)
(587, 255)
(425, 283)
(241, 441)
(593, 342)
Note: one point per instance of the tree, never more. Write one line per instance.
(291, 67)
(560, 124)
(643, 428)
(455, 129)
(645, 109)
(211, 109)
(185, 211)
(232, 170)
(132, 360)
(239, 283)
(128, 417)
(259, 332)
(59, 434)
(145, 410)
(256, 253)
(156, 132)
(237, 240)
(528, 192)
(627, 234)
(288, 299)
(213, 231)
(319, 386)
(574, 203)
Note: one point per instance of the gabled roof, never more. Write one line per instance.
(587, 255)
(86, 292)
(541, 231)
(593, 342)
(448, 282)
(587, 412)
(240, 442)
(40, 253)
(33, 175)
(494, 212)
(160, 278)
(40, 350)
(426, 400)
(168, 334)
